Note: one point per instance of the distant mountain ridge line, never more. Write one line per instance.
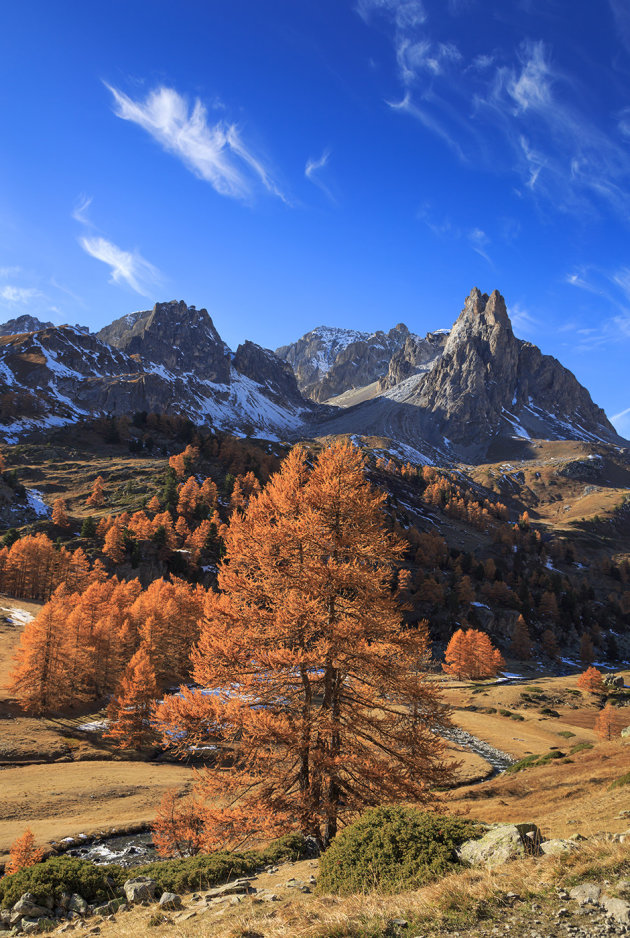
(457, 391)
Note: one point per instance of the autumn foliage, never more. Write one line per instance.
(605, 724)
(23, 852)
(130, 710)
(470, 654)
(178, 826)
(315, 693)
(591, 681)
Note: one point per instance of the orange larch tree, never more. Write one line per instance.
(97, 496)
(470, 654)
(23, 852)
(178, 826)
(59, 516)
(605, 724)
(314, 695)
(114, 545)
(131, 708)
(591, 681)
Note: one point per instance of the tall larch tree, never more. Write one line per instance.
(605, 724)
(59, 515)
(97, 495)
(521, 644)
(130, 710)
(591, 681)
(318, 705)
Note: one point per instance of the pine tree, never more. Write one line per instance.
(23, 852)
(605, 724)
(318, 706)
(591, 681)
(131, 708)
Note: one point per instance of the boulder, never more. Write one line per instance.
(586, 893)
(618, 909)
(557, 848)
(500, 844)
(237, 887)
(26, 906)
(141, 889)
(625, 733)
(170, 901)
(78, 904)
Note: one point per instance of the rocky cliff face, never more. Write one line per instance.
(488, 382)
(416, 355)
(479, 387)
(181, 338)
(170, 360)
(329, 361)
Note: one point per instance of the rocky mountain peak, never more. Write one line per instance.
(23, 324)
(180, 337)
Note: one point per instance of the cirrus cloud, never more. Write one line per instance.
(215, 153)
(126, 266)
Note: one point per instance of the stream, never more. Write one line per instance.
(136, 849)
(500, 761)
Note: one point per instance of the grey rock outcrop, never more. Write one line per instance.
(416, 355)
(489, 382)
(264, 367)
(170, 901)
(140, 889)
(500, 844)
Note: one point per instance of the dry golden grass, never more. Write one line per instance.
(456, 901)
(563, 798)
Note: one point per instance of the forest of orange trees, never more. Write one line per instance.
(262, 611)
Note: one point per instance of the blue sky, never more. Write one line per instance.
(342, 162)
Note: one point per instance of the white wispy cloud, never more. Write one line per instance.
(621, 423)
(479, 241)
(79, 213)
(215, 152)
(312, 171)
(513, 110)
(19, 294)
(612, 287)
(522, 320)
(126, 266)
(407, 13)
(6, 272)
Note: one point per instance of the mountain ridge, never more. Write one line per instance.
(451, 394)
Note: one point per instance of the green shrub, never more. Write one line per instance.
(517, 716)
(550, 712)
(212, 869)
(623, 780)
(63, 874)
(536, 760)
(580, 747)
(98, 884)
(505, 713)
(567, 734)
(393, 848)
